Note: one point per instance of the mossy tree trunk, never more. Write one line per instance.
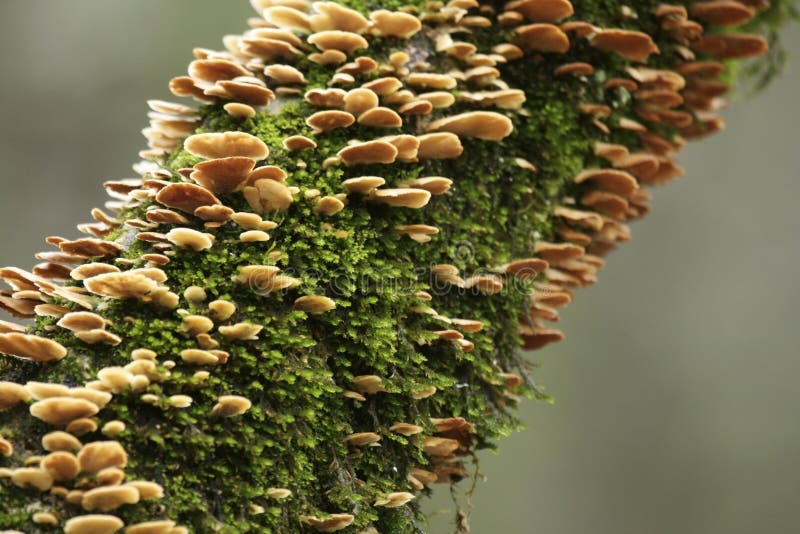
(301, 326)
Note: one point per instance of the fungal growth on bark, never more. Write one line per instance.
(309, 304)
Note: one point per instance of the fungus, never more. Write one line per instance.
(99, 455)
(368, 153)
(59, 411)
(406, 429)
(333, 523)
(11, 394)
(362, 439)
(633, 45)
(267, 195)
(31, 347)
(109, 498)
(93, 524)
(395, 24)
(151, 527)
(380, 117)
(540, 37)
(186, 197)
(32, 477)
(315, 304)
(296, 143)
(225, 145)
(230, 406)
(347, 42)
(61, 465)
(394, 500)
(325, 121)
(402, 198)
(444, 145)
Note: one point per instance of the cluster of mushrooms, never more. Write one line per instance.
(256, 74)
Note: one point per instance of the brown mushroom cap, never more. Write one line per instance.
(406, 429)
(485, 125)
(223, 175)
(82, 321)
(326, 98)
(633, 45)
(731, 46)
(542, 10)
(93, 524)
(224, 145)
(31, 347)
(540, 37)
(61, 410)
(121, 285)
(186, 197)
(722, 12)
(617, 181)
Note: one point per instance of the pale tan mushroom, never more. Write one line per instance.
(284, 75)
(61, 465)
(278, 493)
(441, 145)
(406, 429)
(267, 195)
(199, 357)
(435, 185)
(368, 384)
(231, 406)
(82, 321)
(380, 117)
(45, 390)
(32, 477)
(328, 206)
(109, 498)
(31, 347)
(224, 145)
(330, 119)
(6, 448)
(402, 197)
(90, 247)
(11, 394)
(357, 101)
(45, 518)
(616, 181)
(60, 441)
(363, 184)
(186, 237)
(731, 46)
(485, 125)
(332, 16)
(428, 80)
(151, 527)
(383, 86)
(362, 439)
(394, 500)
(314, 304)
(239, 110)
(287, 17)
(82, 426)
(395, 24)
(93, 524)
(295, 143)
(326, 98)
(254, 236)
(347, 42)
(212, 70)
(334, 523)
(113, 429)
(99, 455)
(147, 490)
(436, 446)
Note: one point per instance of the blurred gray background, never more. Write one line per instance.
(677, 396)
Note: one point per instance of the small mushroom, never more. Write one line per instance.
(230, 406)
(93, 524)
(61, 410)
(224, 145)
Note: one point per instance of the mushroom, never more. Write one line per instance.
(268, 195)
(542, 10)
(427, 80)
(368, 384)
(395, 24)
(314, 304)
(633, 45)
(295, 143)
(406, 429)
(93, 524)
(722, 12)
(224, 145)
(32, 477)
(11, 394)
(347, 42)
(363, 184)
(225, 175)
(362, 439)
(540, 37)
(31, 347)
(99, 455)
(61, 465)
(333, 523)
(325, 121)
(230, 406)
(60, 441)
(332, 16)
(186, 197)
(238, 111)
(380, 117)
(109, 498)
(402, 198)
(151, 527)
(368, 153)
(394, 500)
(442, 145)
(484, 125)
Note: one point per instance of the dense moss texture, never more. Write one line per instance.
(216, 472)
